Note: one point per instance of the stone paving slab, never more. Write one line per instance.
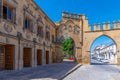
(95, 72)
(45, 72)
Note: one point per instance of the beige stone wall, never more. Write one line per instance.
(91, 36)
(28, 39)
(86, 37)
(71, 26)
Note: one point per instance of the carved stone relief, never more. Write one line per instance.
(28, 35)
(8, 28)
(27, 44)
(14, 3)
(70, 28)
(76, 30)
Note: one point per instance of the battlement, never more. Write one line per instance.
(66, 15)
(104, 26)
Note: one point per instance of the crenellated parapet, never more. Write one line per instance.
(104, 26)
(66, 15)
(96, 26)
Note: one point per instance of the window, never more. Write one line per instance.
(40, 31)
(47, 35)
(7, 13)
(27, 23)
(52, 38)
(4, 12)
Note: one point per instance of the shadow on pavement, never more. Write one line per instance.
(45, 72)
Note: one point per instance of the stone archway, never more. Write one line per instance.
(88, 40)
(69, 28)
(68, 48)
(103, 50)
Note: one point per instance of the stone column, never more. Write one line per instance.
(35, 57)
(32, 57)
(21, 57)
(16, 58)
(43, 54)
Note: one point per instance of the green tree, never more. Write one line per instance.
(68, 47)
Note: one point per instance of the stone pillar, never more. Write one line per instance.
(32, 57)
(43, 54)
(118, 58)
(16, 57)
(50, 57)
(21, 57)
(35, 57)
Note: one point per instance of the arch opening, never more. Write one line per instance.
(103, 51)
(68, 49)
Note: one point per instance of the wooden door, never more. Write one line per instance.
(27, 57)
(39, 57)
(47, 57)
(53, 57)
(9, 57)
(2, 57)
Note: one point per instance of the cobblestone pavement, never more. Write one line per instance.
(95, 72)
(46, 72)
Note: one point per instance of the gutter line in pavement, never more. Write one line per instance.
(71, 71)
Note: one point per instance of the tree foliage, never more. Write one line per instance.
(68, 46)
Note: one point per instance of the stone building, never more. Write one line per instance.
(27, 35)
(106, 52)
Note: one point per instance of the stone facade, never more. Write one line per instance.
(86, 34)
(26, 27)
(28, 37)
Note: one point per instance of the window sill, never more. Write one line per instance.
(9, 22)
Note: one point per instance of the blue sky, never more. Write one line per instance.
(97, 11)
(102, 40)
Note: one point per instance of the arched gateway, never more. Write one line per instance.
(77, 27)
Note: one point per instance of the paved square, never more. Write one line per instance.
(46, 72)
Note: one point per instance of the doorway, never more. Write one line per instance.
(47, 57)
(27, 57)
(39, 57)
(53, 57)
(9, 57)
